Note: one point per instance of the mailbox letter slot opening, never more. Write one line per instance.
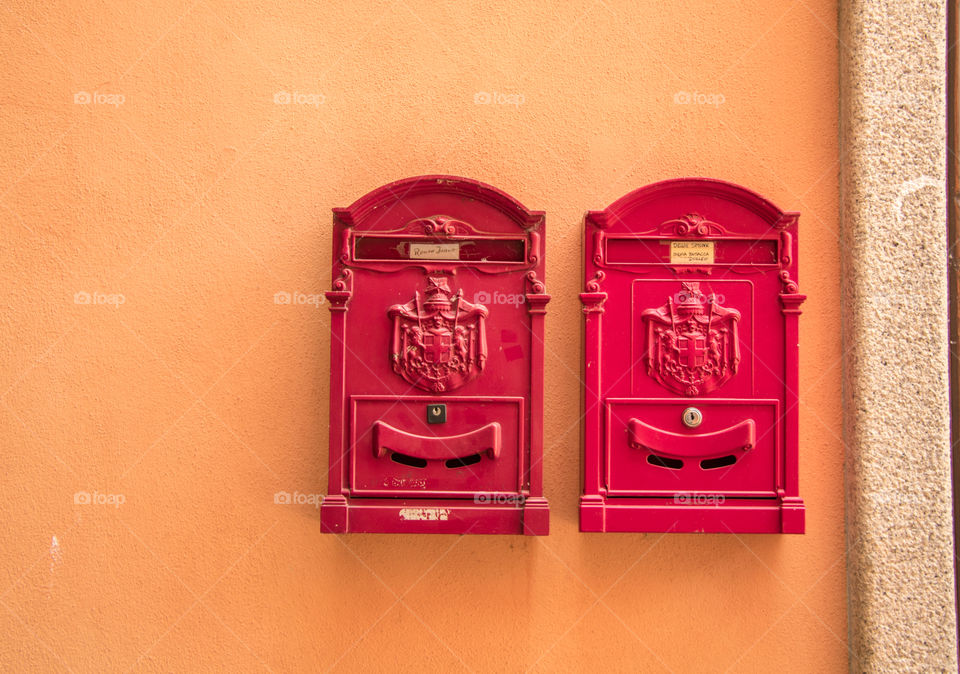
(397, 248)
(664, 462)
(657, 251)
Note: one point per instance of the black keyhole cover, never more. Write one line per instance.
(437, 413)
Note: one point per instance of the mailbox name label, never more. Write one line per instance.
(690, 252)
(423, 514)
(434, 251)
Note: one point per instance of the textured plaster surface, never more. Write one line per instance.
(899, 513)
(200, 397)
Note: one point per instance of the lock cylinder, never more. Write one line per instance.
(692, 417)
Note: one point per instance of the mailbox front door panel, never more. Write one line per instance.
(653, 453)
(398, 452)
(691, 362)
(436, 362)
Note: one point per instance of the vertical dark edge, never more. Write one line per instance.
(953, 277)
(582, 287)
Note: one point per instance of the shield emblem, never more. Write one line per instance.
(439, 342)
(693, 346)
(437, 346)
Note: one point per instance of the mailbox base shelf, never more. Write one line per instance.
(343, 515)
(741, 516)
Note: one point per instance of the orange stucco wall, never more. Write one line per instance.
(180, 197)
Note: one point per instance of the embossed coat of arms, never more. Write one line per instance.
(439, 341)
(692, 343)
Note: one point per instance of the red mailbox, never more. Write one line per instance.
(690, 379)
(436, 367)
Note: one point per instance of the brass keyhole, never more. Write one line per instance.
(435, 411)
(692, 417)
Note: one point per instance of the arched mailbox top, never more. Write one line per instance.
(689, 226)
(440, 222)
(372, 210)
(717, 198)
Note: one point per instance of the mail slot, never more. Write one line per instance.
(690, 375)
(436, 368)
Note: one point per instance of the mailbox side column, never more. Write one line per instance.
(792, 515)
(333, 510)
(536, 514)
(591, 502)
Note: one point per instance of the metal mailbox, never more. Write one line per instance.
(691, 350)
(436, 365)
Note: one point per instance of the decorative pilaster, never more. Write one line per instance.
(591, 503)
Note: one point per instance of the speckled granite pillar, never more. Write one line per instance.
(896, 396)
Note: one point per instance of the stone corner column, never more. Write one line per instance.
(900, 564)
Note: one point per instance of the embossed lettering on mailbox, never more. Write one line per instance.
(436, 388)
(691, 369)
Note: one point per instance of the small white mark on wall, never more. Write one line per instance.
(911, 186)
(56, 557)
